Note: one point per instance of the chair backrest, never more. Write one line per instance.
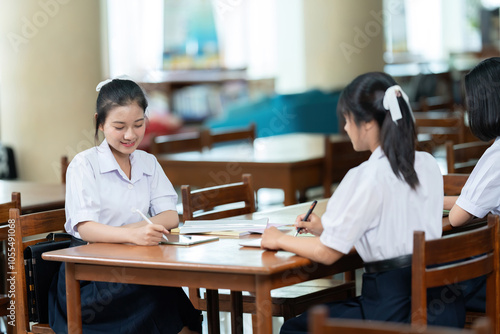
(462, 158)
(340, 157)
(64, 168)
(452, 259)
(453, 183)
(35, 226)
(436, 103)
(15, 203)
(443, 125)
(228, 135)
(180, 142)
(206, 203)
(320, 324)
(203, 203)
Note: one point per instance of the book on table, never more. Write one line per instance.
(223, 227)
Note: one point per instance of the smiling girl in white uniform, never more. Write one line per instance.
(105, 186)
(376, 208)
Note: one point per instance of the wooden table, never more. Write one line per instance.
(292, 162)
(35, 196)
(222, 264)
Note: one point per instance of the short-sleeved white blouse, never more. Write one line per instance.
(98, 190)
(376, 212)
(481, 193)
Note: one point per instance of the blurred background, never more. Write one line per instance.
(214, 63)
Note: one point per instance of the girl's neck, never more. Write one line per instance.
(123, 161)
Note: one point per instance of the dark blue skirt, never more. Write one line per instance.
(124, 308)
(386, 296)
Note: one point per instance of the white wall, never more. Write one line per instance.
(50, 64)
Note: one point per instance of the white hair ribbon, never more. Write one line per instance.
(105, 82)
(391, 102)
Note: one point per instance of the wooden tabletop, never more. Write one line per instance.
(35, 196)
(221, 264)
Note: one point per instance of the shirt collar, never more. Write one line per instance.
(107, 163)
(377, 154)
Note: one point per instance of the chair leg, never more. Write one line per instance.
(255, 328)
(213, 311)
(237, 312)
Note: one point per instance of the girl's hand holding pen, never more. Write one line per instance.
(149, 235)
(312, 225)
(270, 238)
(152, 233)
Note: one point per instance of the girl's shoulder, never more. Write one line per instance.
(84, 157)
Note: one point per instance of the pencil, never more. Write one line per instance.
(149, 221)
(311, 208)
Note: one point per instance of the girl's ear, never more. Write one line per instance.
(369, 125)
(95, 120)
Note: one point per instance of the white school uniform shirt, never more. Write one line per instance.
(481, 193)
(98, 190)
(376, 212)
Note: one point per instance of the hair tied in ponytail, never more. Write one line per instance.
(391, 101)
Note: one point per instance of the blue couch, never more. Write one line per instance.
(313, 111)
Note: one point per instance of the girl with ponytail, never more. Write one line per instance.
(376, 208)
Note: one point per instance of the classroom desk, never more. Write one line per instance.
(221, 264)
(35, 196)
(292, 162)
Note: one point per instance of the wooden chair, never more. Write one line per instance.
(229, 135)
(320, 324)
(64, 168)
(30, 229)
(435, 103)
(15, 203)
(456, 258)
(180, 142)
(442, 125)
(340, 157)
(453, 183)
(462, 158)
(287, 301)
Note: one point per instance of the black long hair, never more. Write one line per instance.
(363, 99)
(118, 92)
(482, 88)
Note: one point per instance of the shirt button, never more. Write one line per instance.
(130, 186)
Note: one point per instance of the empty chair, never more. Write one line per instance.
(230, 135)
(462, 158)
(452, 259)
(453, 183)
(64, 168)
(287, 301)
(15, 203)
(442, 125)
(320, 324)
(30, 229)
(181, 142)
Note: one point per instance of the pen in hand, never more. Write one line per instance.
(149, 221)
(311, 208)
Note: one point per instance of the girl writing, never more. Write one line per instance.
(105, 186)
(376, 207)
